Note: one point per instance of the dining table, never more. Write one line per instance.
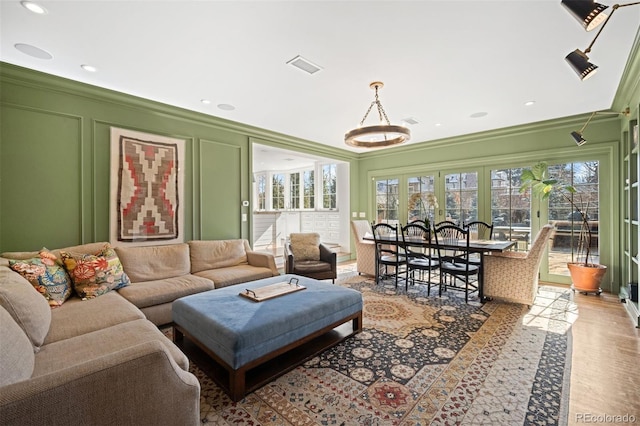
(482, 247)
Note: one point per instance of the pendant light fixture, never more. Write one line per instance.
(378, 135)
(590, 15)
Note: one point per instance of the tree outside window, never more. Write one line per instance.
(262, 192)
(309, 188)
(329, 186)
(277, 188)
(294, 190)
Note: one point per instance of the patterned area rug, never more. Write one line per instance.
(422, 359)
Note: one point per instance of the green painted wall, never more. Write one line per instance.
(55, 161)
(54, 158)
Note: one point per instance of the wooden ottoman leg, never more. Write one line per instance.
(237, 384)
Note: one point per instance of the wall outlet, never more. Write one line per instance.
(354, 214)
(363, 214)
(244, 217)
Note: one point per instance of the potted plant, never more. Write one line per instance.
(585, 275)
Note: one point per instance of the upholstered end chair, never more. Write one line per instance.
(365, 249)
(513, 276)
(305, 255)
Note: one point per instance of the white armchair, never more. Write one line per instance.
(513, 276)
(365, 250)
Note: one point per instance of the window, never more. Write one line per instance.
(584, 178)
(277, 191)
(329, 186)
(261, 201)
(420, 203)
(510, 209)
(309, 189)
(387, 200)
(461, 197)
(294, 190)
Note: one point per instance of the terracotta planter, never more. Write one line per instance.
(586, 279)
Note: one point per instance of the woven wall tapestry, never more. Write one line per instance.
(146, 188)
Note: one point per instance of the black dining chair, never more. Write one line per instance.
(480, 230)
(452, 244)
(419, 258)
(390, 259)
(445, 222)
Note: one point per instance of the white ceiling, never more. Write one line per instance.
(441, 61)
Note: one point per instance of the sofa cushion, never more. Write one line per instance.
(95, 274)
(16, 356)
(77, 350)
(305, 246)
(77, 317)
(47, 276)
(150, 263)
(223, 277)
(217, 254)
(25, 305)
(151, 293)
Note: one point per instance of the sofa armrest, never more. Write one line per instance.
(264, 260)
(329, 256)
(138, 385)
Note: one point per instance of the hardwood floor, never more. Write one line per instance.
(605, 369)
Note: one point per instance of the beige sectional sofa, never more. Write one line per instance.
(104, 360)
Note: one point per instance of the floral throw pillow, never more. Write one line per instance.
(95, 274)
(47, 276)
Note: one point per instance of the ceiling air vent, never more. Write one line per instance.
(303, 64)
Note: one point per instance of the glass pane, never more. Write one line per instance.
(387, 201)
(567, 220)
(510, 209)
(309, 189)
(277, 188)
(329, 184)
(262, 192)
(461, 197)
(421, 202)
(294, 190)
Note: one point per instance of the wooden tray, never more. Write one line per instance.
(273, 290)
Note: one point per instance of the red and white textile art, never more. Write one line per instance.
(146, 187)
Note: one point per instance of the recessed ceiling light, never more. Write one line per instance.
(205, 101)
(33, 51)
(89, 68)
(33, 7)
(529, 103)
(479, 114)
(438, 124)
(226, 107)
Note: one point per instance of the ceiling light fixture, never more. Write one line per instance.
(577, 135)
(590, 15)
(89, 68)
(378, 135)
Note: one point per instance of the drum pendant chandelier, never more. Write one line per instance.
(379, 135)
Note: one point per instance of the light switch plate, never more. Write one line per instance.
(363, 214)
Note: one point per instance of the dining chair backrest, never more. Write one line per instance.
(480, 230)
(452, 243)
(384, 235)
(418, 222)
(445, 222)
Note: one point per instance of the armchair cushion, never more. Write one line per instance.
(305, 246)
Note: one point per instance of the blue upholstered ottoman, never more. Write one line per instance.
(240, 334)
